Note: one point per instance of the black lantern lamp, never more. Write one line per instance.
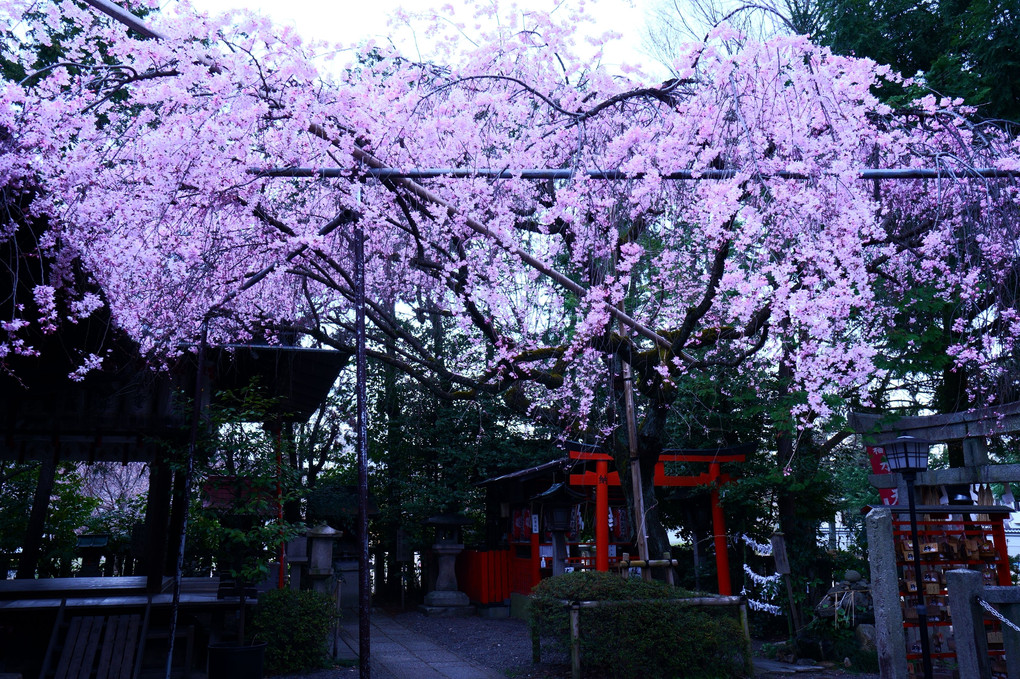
(558, 501)
(907, 456)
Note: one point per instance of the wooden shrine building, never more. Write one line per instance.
(520, 515)
(128, 413)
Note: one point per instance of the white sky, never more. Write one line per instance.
(349, 21)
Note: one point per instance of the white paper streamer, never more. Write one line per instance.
(768, 584)
(762, 580)
(759, 548)
(764, 607)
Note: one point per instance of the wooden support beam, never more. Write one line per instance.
(995, 473)
(979, 422)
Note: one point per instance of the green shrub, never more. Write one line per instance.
(647, 636)
(296, 627)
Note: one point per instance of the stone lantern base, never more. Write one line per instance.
(447, 605)
(446, 600)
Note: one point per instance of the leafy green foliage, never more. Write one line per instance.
(296, 627)
(243, 483)
(69, 510)
(963, 48)
(646, 636)
(823, 640)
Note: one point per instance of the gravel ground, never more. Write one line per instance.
(505, 645)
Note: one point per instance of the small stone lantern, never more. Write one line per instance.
(320, 556)
(92, 548)
(446, 599)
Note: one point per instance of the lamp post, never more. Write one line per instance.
(908, 456)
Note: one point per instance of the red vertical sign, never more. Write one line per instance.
(879, 466)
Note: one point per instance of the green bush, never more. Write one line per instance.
(296, 628)
(647, 636)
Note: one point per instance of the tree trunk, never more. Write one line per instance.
(649, 447)
(157, 511)
(29, 559)
(797, 538)
(292, 507)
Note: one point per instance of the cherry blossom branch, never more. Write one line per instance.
(420, 191)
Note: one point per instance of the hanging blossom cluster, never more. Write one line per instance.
(147, 157)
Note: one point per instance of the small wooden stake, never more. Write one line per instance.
(575, 640)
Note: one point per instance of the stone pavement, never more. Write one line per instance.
(399, 653)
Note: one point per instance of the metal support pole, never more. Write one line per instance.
(281, 550)
(922, 611)
(189, 466)
(364, 581)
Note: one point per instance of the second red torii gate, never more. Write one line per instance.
(602, 478)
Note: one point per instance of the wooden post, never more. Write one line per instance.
(635, 469)
(536, 646)
(157, 514)
(276, 427)
(722, 557)
(28, 561)
(575, 640)
(748, 655)
(602, 516)
(783, 568)
(1002, 573)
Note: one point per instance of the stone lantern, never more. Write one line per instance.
(446, 599)
(320, 556)
(92, 549)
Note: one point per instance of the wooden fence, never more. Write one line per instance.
(484, 576)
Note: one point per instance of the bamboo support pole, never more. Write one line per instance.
(647, 563)
(714, 601)
(665, 562)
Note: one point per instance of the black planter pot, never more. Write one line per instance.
(234, 661)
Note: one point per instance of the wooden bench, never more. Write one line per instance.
(108, 646)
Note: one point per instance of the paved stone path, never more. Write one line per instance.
(399, 653)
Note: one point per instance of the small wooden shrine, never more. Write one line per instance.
(587, 514)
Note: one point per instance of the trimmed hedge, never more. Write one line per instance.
(647, 637)
(296, 628)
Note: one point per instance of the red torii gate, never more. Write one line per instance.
(602, 478)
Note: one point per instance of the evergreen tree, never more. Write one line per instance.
(962, 48)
